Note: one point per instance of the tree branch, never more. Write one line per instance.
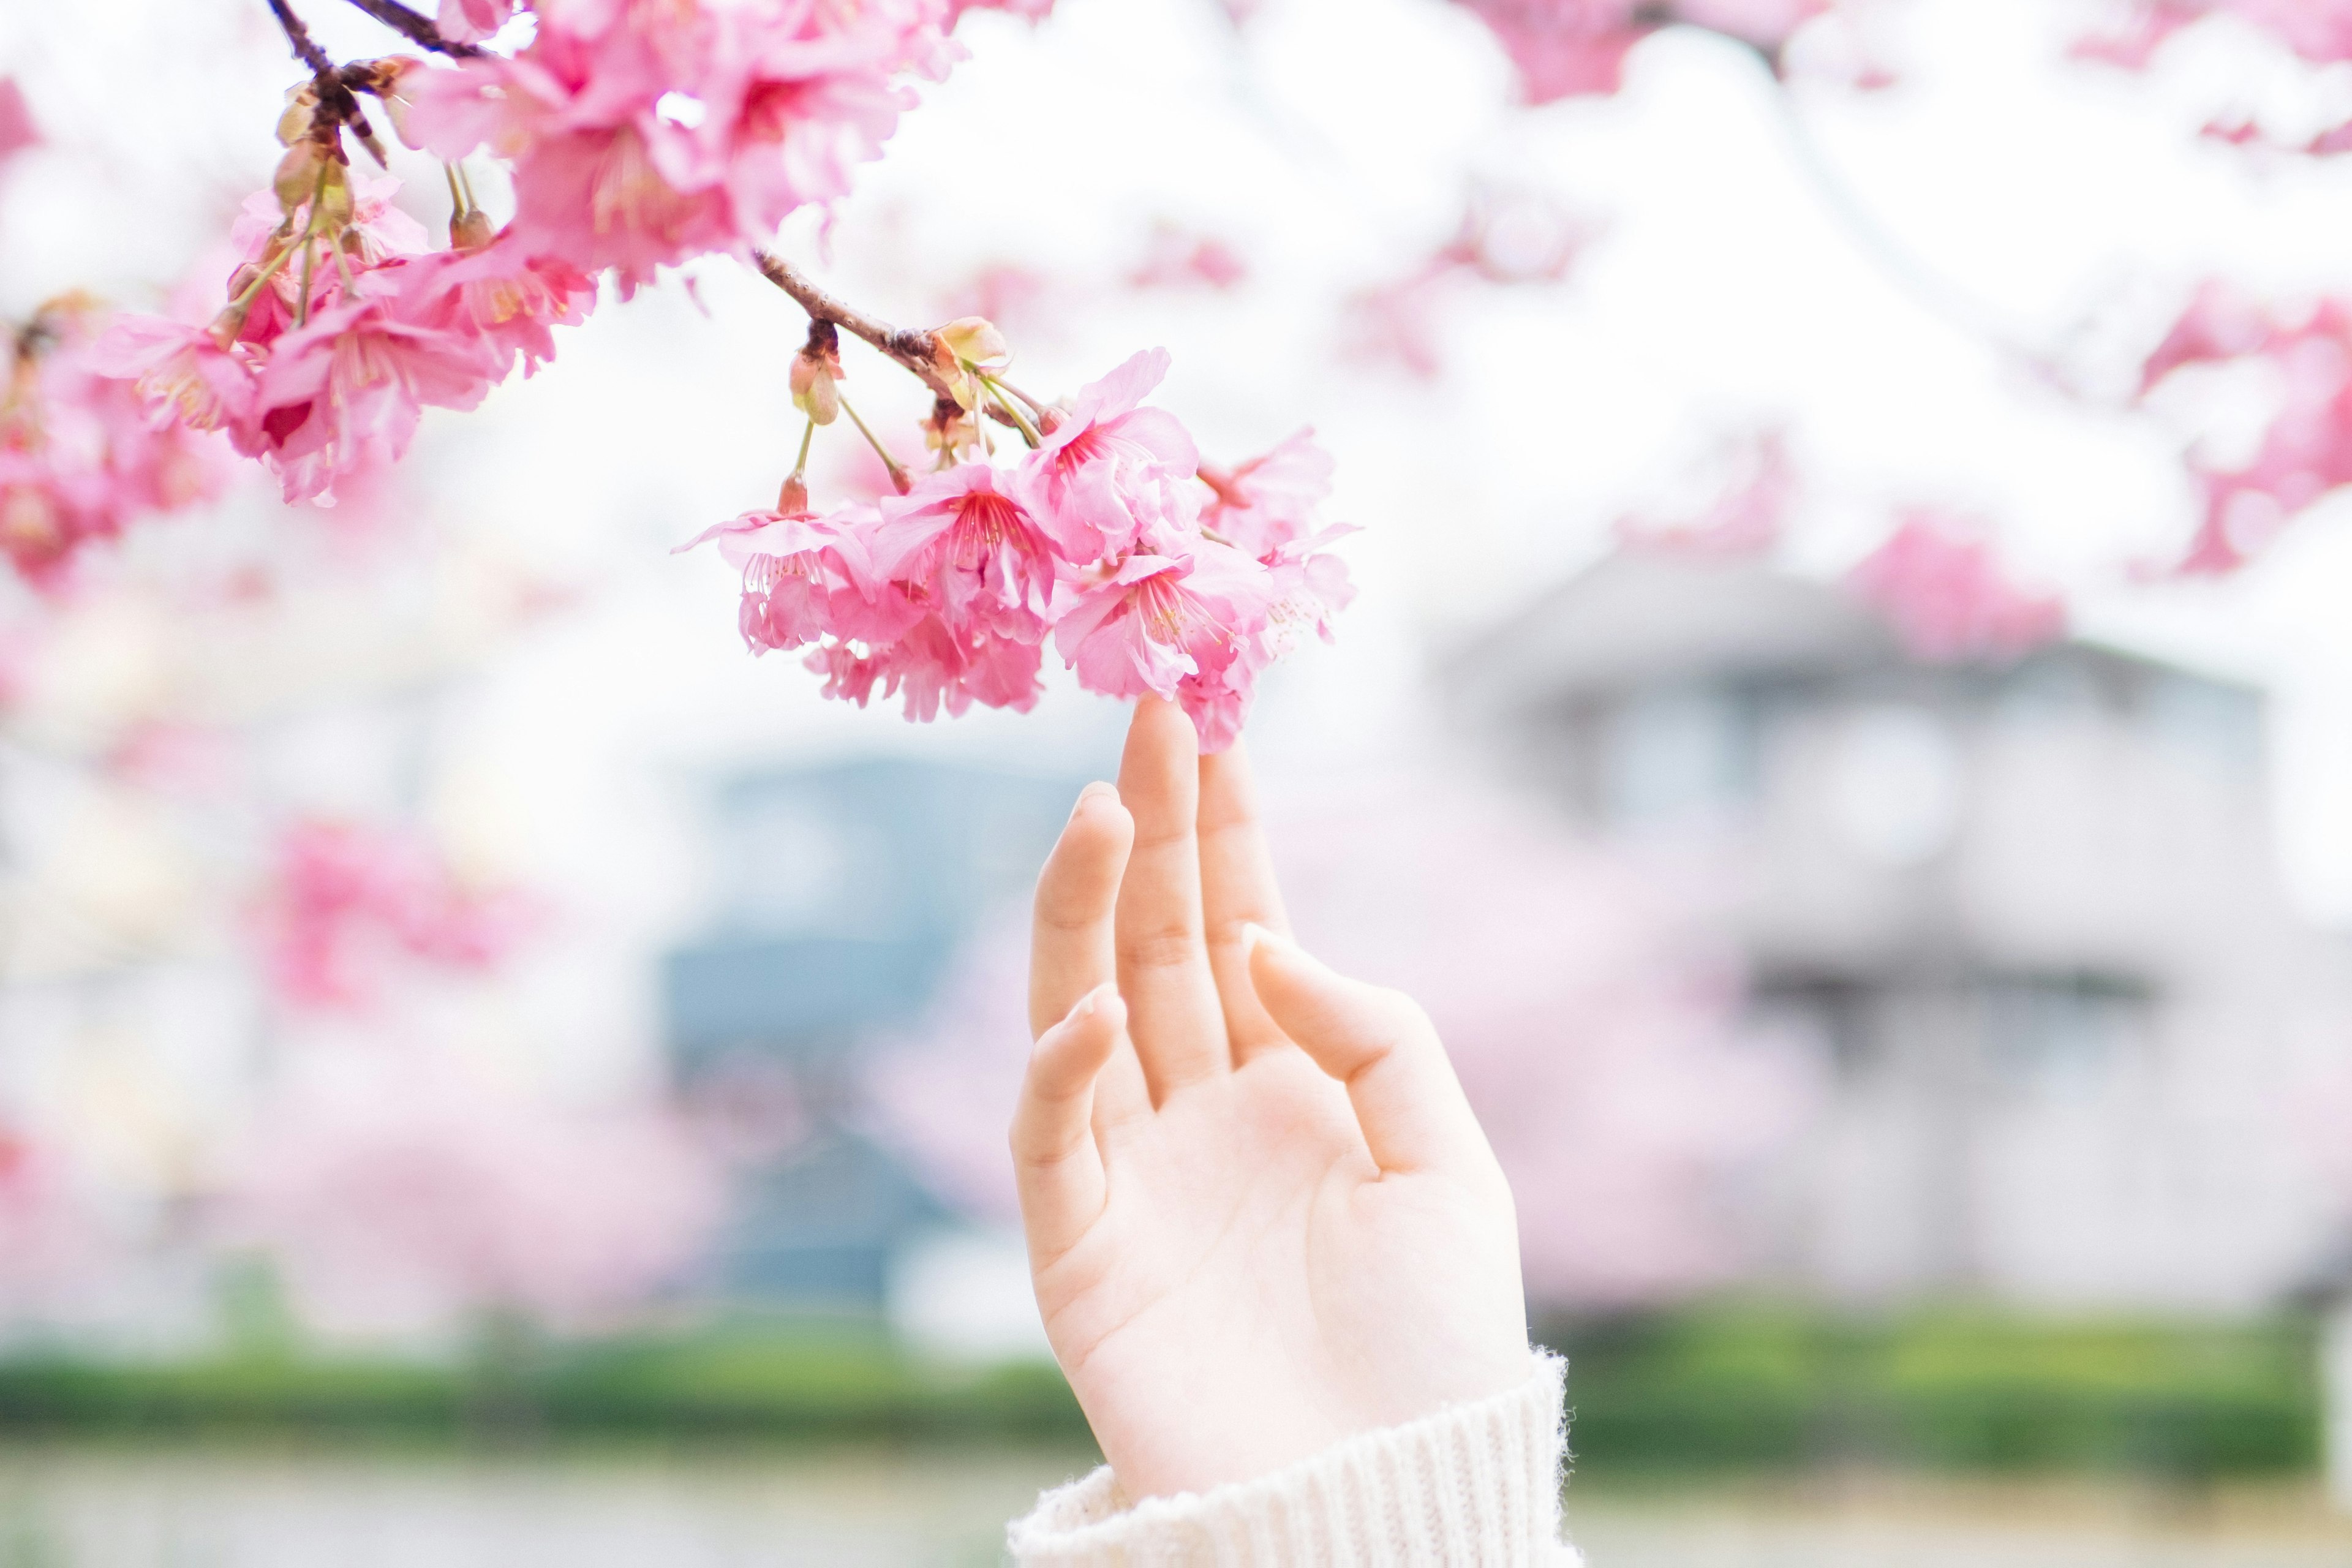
(417, 27)
(306, 47)
(911, 349)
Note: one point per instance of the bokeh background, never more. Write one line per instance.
(491, 1072)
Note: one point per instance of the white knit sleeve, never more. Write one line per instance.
(1473, 1486)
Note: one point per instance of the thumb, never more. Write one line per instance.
(1381, 1046)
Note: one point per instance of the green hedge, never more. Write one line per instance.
(1729, 1386)
(1743, 1385)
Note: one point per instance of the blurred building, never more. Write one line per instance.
(844, 892)
(2030, 911)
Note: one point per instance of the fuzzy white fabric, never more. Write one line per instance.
(1473, 1486)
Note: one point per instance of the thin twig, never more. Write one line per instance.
(306, 47)
(417, 27)
(911, 349)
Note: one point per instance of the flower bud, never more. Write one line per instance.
(383, 80)
(470, 230)
(950, 430)
(973, 341)
(335, 197)
(813, 391)
(301, 110)
(297, 179)
(793, 500)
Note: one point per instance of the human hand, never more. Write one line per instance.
(1261, 1216)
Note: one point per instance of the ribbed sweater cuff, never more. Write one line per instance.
(1473, 1486)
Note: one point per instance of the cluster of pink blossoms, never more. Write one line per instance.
(1944, 588)
(1568, 49)
(647, 131)
(346, 900)
(2317, 31)
(79, 456)
(343, 325)
(2306, 449)
(1151, 572)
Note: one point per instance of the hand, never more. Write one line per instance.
(1261, 1216)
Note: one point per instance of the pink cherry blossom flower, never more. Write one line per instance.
(80, 454)
(1945, 591)
(357, 376)
(1152, 621)
(506, 299)
(806, 578)
(959, 542)
(1112, 469)
(936, 668)
(1270, 501)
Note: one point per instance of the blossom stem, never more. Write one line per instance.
(310, 260)
(1020, 421)
(808, 435)
(456, 196)
(244, 301)
(898, 471)
(1036, 407)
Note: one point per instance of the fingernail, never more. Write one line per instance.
(1092, 1000)
(1253, 934)
(1091, 792)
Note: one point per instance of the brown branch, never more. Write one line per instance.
(417, 27)
(306, 47)
(911, 350)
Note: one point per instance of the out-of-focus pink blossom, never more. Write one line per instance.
(1111, 469)
(2305, 451)
(471, 21)
(405, 1191)
(1942, 586)
(18, 129)
(52, 1251)
(80, 455)
(2318, 30)
(346, 903)
(643, 136)
(1506, 238)
(1747, 518)
(1566, 48)
(1177, 259)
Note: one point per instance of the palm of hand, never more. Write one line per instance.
(1239, 1260)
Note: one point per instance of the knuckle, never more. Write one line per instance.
(1164, 947)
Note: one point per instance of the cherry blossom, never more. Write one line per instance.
(18, 129)
(346, 901)
(2319, 31)
(1112, 470)
(406, 1190)
(960, 542)
(1567, 48)
(2304, 361)
(79, 456)
(1747, 518)
(1941, 586)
